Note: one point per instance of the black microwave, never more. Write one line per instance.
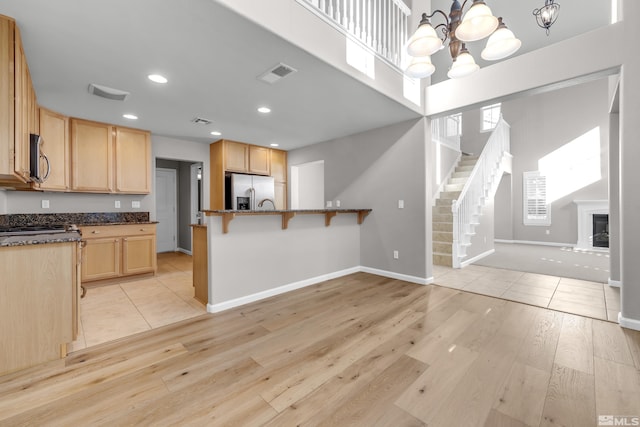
(35, 156)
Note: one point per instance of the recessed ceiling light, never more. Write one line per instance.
(275, 145)
(216, 133)
(157, 78)
(264, 110)
(130, 116)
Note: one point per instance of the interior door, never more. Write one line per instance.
(166, 208)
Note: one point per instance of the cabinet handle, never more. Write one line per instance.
(125, 239)
(95, 232)
(142, 229)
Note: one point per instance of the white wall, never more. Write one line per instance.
(256, 258)
(307, 186)
(375, 169)
(186, 151)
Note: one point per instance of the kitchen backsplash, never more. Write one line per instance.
(74, 218)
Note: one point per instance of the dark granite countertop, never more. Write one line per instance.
(39, 239)
(80, 219)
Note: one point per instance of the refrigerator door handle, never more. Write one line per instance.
(252, 192)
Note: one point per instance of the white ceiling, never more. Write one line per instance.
(212, 57)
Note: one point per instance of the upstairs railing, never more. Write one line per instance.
(381, 25)
(478, 187)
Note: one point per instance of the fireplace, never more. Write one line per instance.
(593, 224)
(600, 230)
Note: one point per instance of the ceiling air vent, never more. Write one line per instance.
(108, 92)
(201, 121)
(276, 73)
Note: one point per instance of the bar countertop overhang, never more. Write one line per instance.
(228, 215)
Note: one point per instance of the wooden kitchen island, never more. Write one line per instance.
(257, 254)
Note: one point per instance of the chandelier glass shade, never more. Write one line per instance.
(501, 44)
(478, 23)
(420, 66)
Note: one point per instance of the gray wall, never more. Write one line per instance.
(503, 209)
(375, 169)
(448, 159)
(541, 124)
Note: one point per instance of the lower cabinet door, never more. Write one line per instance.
(101, 259)
(139, 254)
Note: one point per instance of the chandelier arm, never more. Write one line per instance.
(445, 31)
(446, 17)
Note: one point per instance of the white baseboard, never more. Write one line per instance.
(615, 283)
(398, 276)
(476, 258)
(184, 251)
(531, 242)
(226, 305)
(628, 323)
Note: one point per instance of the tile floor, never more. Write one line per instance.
(118, 310)
(585, 298)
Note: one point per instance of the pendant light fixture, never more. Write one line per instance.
(547, 14)
(478, 23)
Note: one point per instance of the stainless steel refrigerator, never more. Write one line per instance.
(252, 192)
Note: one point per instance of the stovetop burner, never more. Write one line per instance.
(27, 230)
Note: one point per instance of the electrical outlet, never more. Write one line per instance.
(329, 203)
(548, 231)
(135, 204)
(400, 204)
(337, 203)
(117, 204)
(45, 204)
(396, 255)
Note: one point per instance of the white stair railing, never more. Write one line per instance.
(480, 185)
(380, 25)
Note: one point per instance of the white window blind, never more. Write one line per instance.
(536, 210)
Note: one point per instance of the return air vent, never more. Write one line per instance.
(108, 92)
(201, 121)
(276, 73)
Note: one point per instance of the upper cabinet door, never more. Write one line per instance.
(133, 157)
(236, 156)
(54, 130)
(91, 156)
(259, 160)
(279, 165)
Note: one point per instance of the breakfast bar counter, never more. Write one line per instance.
(257, 254)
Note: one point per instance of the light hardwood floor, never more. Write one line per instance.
(360, 350)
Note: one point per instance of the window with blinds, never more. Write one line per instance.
(536, 210)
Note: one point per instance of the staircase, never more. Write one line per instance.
(458, 209)
(442, 214)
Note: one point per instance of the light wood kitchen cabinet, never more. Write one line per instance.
(245, 158)
(259, 161)
(279, 174)
(109, 159)
(133, 161)
(200, 263)
(39, 303)
(18, 110)
(91, 156)
(237, 157)
(112, 251)
(54, 130)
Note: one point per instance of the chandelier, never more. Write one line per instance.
(478, 22)
(547, 14)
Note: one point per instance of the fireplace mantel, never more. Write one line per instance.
(586, 210)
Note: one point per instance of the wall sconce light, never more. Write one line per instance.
(547, 14)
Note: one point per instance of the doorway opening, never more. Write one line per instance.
(307, 185)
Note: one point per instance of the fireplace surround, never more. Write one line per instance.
(587, 209)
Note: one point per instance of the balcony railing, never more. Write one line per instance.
(380, 25)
